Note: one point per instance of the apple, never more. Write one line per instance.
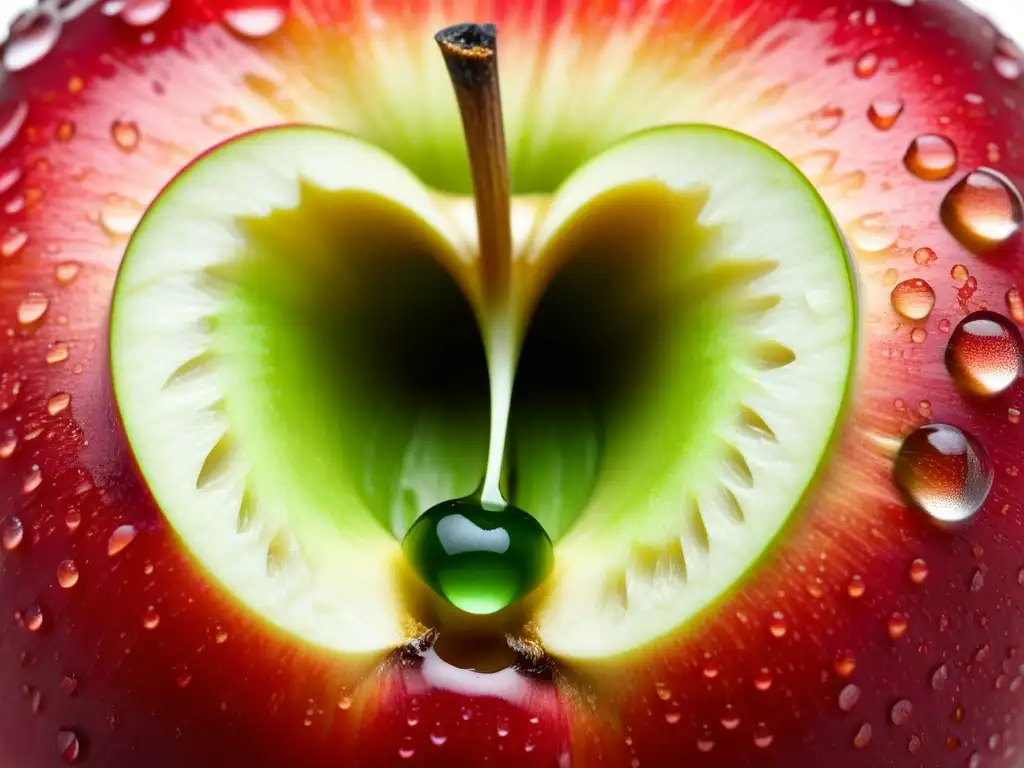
(258, 322)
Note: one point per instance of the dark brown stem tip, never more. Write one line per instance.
(470, 51)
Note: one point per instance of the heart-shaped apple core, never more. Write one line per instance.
(298, 355)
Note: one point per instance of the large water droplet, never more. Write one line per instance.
(762, 736)
(478, 559)
(944, 472)
(66, 272)
(883, 113)
(255, 22)
(914, 299)
(33, 478)
(32, 308)
(119, 215)
(13, 242)
(67, 574)
(68, 746)
(925, 257)
(58, 403)
(142, 13)
(984, 354)
(120, 538)
(931, 157)
(901, 711)
(12, 532)
(983, 210)
(867, 65)
(848, 697)
(873, 233)
(31, 39)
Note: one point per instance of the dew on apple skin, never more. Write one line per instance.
(12, 119)
(867, 65)
(8, 443)
(873, 233)
(67, 574)
(763, 679)
(58, 403)
(974, 761)
(863, 736)
(32, 308)
(940, 677)
(931, 157)
(255, 22)
(848, 697)
(985, 354)
(32, 37)
(32, 480)
(944, 472)
(1015, 304)
(914, 299)
(72, 520)
(12, 533)
(845, 664)
(1013, 415)
(918, 571)
(897, 626)
(142, 13)
(68, 685)
(778, 626)
(900, 712)
(12, 243)
(66, 272)
(730, 720)
(662, 691)
(121, 537)
(120, 215)
(57, 353)
(918, 335)
(883, 113)
(983, 210)
(68, 746)
(33, 618)
(150, 619)
(125, 134)
(763, 737)
(856, 587)
(925, 257)
(673, 717)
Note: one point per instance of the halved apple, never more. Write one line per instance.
(295, 395)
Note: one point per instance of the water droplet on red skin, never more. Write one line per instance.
(931, 157)
(984, 210)
(985, 354)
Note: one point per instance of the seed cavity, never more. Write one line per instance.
(218, 462)
(770, 355)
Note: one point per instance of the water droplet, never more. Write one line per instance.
(914, 745)
(125, 134)
(856, 586)
(437, 737)
(33, 618)
(120, 538)
(914, 299)
(974, 761)
(672, 717)
(901, 711)
(763, 679)
(8, 442)
(12, 120)
(984, 354)
(58, 403)
(33, 479)
(221, 637)
(848, 697)
(889, 277)
(944, 325)
(925, 257)
(873, 233)
(897, 626)
(68, 685)
(31, 39)
(120, 215)
(918, 571)
(730, 720)
(255, 22)
(32, 308)
(826, 120)
(983, 210)
(762, 736)
(150, 619)
(72, 520)
(977, 580)
(918, 335)
(68, 746)
(1006, 63)
(66, 132)
(944, 472)
(662, 691)
(142, 13)
(777, 626)
(67, 574)
(845, 664)
(883, 113)
(866, 65)
(1013, 415)
(184, 679)
(940, 677)
(12, 243)
(66, 272)
(57, 353)
(931, 157)
(863, 736)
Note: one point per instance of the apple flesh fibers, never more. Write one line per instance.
(142, 661)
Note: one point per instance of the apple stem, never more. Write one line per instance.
(471, 53)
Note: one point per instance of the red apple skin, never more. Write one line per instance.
(149, 663)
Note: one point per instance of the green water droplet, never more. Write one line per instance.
(478, 559)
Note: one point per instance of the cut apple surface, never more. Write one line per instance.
(701, 377)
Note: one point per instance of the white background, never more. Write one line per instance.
(1008, 14)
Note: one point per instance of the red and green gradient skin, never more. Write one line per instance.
(210, 685)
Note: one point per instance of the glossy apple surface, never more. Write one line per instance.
(871, 635)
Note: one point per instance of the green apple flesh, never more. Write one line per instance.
(272, 302)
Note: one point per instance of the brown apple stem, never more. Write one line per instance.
(471, 53)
